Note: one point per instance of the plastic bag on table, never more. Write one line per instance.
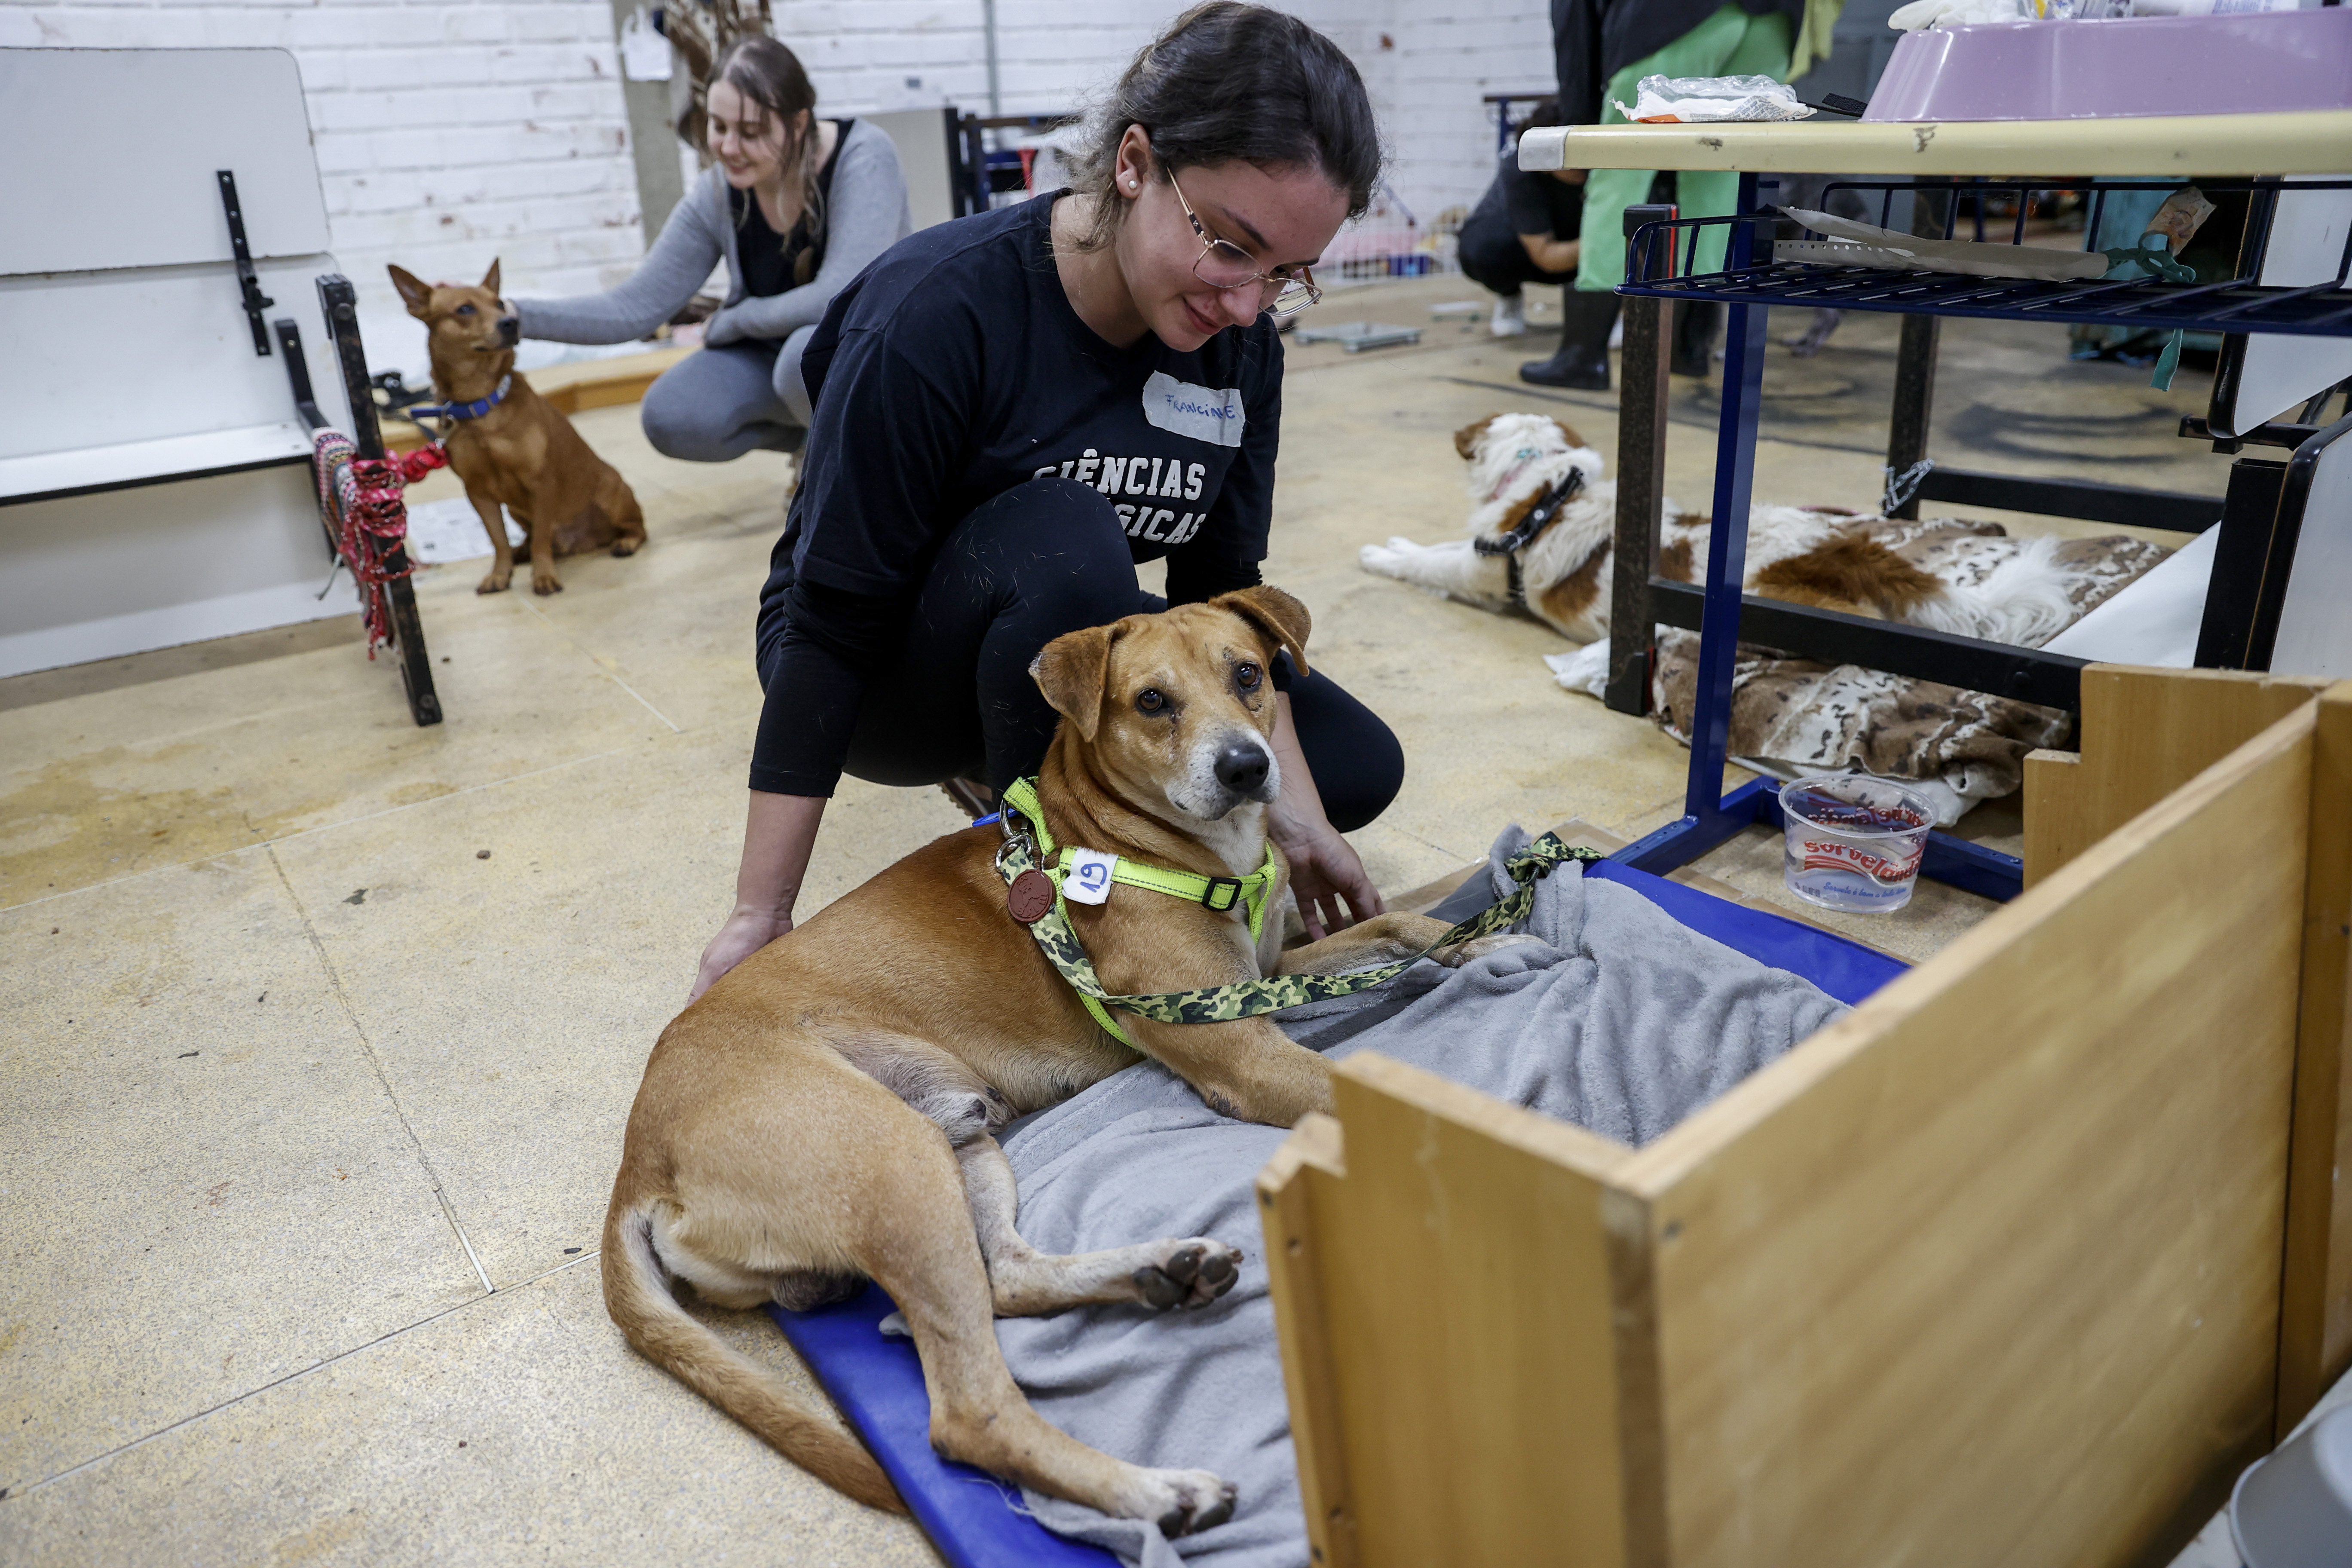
(1711, 100)
(1920, 14)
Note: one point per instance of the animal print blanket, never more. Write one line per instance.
(1793, 715)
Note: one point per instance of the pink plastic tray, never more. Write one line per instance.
(2125, 68)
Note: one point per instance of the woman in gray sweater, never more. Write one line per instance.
(797, 206)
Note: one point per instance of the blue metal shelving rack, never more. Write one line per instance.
(1749, 287)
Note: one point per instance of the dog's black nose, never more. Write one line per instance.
(511, 329)
(1241, 768)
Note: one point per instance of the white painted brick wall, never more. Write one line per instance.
(447, 133)
(450, 132)
(1441, 56)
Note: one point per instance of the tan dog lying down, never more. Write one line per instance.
(2014, 591)
(824, 1113)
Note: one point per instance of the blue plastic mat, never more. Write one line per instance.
(976, 1520)
(972, 1517)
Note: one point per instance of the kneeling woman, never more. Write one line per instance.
(796, 207)
(1015, 409)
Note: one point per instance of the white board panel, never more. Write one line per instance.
(111, 156)
(44, 474)
(2156, 619)
(2279, 374)
(96, 576)
(103, 359)
(2315, 630)
(921, 135)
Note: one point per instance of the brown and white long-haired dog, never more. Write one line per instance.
(2008, 590)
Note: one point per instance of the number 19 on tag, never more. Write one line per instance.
(1088, 881)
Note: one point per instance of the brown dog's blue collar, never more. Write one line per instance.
(473, 410)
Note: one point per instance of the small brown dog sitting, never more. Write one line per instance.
(824, 1113)
(519, 450)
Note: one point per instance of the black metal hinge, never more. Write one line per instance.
(256, 301)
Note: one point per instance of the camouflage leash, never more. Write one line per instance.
(1253, 998)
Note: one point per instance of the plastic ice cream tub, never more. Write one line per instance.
(1853, 842)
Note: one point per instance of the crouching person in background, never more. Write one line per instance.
(1526, 230)
(796, 207)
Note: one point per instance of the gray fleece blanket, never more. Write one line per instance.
(1620, 1021)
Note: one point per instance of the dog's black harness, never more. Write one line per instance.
(1540, 516)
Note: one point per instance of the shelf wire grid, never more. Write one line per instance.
(1661, 258)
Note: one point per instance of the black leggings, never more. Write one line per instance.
(1043, 559)
(1491, 254)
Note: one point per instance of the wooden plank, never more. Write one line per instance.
(1286, 1210)
(2145, 733)
(1641, 407)
(598, 377)
(2316, 1307)
(604, 392)
(1467, 1272)
(2057, 806)
(2183, 145)
(1988, 1271)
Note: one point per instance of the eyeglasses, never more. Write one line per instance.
(1224, 265)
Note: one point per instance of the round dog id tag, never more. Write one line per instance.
(1029, 896)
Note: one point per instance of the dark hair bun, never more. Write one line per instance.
(1229, 80)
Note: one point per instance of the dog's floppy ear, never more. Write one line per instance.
(490, 279)
(1466, 439)
(1573, 439)
(412, 288)
(1070, 670)
(1282, 618)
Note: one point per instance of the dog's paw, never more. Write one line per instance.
(1388, 560)
(495, 583)
(1181, 1502)
(1193, 1273)
(546, 582)
(627, 546)
(1479, 947)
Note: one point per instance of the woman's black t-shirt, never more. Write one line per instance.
(952, 370)
(766, 260)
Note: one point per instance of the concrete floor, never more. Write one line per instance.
(309, 1110)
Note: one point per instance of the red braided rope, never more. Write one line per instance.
(360, 497)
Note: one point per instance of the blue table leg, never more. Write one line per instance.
(1709, 817)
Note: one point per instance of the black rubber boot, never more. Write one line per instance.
(1582, 362)
(1694, 350)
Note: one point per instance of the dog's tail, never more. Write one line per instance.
(2022, 600)
(637, 1293)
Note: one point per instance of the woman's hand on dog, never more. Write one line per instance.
(779, 830)
(745, 933)
(1324, 870)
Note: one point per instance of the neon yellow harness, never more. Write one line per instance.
(1028, 851)
(1216, 894)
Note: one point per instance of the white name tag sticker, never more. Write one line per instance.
(1203, 413)
(1088, 878)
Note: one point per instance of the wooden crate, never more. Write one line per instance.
(1994, 1270)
